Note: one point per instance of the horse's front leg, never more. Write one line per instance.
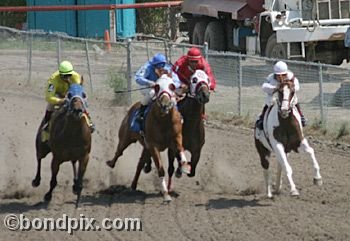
(282, 158)
(55, 166)
(36, 180)
(171, 169)
(305, 147)
(161, 173)
(144, 157)
(75, 177)
(81, 171)
(279, 178)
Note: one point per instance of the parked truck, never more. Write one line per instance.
(310, 30)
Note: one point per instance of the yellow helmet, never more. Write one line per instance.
(65, 68)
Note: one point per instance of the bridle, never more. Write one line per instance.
(286, 93)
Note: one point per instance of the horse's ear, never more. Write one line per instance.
(156, 88)
(81, 80)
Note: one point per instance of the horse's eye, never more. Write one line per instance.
(83, 95)
(172, 87)
(194, 80)
(69, 95)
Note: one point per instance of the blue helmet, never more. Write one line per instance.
(158, 60)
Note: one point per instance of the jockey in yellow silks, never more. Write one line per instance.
(57, 87)
(273, 80)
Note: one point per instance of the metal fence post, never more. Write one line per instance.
(170, 47)
(29, 57)
(205, 48)
(166, 50)
(58, 51)
(239, 76)
(88, 65)
(129, 76)
(320, 77)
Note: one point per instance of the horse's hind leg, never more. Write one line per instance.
(146, 156)
(305, 147)
(122, 145)
(75, 177)
(41, 151)
(55, 166)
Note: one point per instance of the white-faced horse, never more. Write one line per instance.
(281, 134)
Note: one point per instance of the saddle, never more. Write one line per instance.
(138, 125)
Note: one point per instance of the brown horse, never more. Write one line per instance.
(192, 109)
(282, 134)
(70, 140)
(163, 129)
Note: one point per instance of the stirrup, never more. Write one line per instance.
(92, 127)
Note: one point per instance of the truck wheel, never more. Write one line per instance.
(275, 50)
(198, 33)
(215, 36)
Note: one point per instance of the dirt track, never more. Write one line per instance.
(225, 201)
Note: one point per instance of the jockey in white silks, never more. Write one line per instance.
(280, 73)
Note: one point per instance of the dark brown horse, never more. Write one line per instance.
(70, 140)
(163, 129)
(192, 109)
(282, 134)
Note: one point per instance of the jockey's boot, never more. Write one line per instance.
(260, 122)
(91, 124)
(47, 118)
(140, 116)
(302, 117)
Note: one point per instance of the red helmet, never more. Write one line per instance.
(194, 54)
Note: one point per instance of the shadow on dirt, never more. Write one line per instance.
(22, 207)
(224, 203)
(116, 194)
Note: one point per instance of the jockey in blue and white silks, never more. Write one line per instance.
(147, 76)
(273, 80)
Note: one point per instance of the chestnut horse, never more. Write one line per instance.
(282, 134)
(163, 129)
(70, 140)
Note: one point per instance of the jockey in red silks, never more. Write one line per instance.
(186, 65)
(280, 73)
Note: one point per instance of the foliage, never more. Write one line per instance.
(156, 21)
(118, 82)
(12, 19)
(343, 130)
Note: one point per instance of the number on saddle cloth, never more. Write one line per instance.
(136, 125)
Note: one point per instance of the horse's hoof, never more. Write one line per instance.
(191, 174)
(133, 186)
(47, 197)
(111, 164)
(186, 168)
(178, 173)
(294, 193)
(147, 168)
(36, 182)
(318, 181)
(167, 198)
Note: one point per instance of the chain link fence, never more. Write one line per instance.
(28, 58)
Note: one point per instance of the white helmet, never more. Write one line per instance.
(280, 68)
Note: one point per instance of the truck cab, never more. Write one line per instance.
(310, 30)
